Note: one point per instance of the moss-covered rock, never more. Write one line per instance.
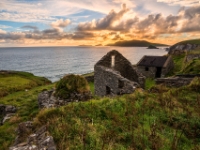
(71, 84)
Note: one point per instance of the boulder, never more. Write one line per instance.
(38, 140)
(6, 112)
(46, 99)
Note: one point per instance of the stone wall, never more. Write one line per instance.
(174, 81)
(122, 65)
(109, 82)
(168, 66)
(150, 72)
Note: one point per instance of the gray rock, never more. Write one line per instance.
(6, 112)
(10, 109)
(181, 48)
(39, 140)
(46, 99)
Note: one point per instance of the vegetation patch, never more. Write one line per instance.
(149, 83)
(165, 120)
(70, 84)
(13, 81)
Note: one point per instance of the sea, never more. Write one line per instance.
(55, 62)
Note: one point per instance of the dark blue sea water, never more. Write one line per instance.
(55, 62)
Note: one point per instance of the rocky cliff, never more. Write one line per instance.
(180, 48)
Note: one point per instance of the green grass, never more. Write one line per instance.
(183, 67)
(193, 67)
(13, 81)
(149, 83)
(178, 63)
(91, 84)
(164, 120)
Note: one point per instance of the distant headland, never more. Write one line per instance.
(135, 43)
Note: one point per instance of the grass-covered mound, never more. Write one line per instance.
(70, 84)
(13, 81)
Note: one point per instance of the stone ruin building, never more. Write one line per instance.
(155, 66)
(114, 75)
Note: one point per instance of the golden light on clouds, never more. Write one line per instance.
(121, 20)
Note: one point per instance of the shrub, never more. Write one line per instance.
(70, 84)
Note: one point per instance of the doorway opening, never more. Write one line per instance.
(158, 72)
(108, 90)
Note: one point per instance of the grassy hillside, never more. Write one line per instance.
(135, 43)
(193, 41)
(19, 89)
(13, 81)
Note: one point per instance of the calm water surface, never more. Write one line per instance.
(55, 62)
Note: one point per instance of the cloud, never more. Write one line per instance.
(30, 27)
(181, 2)
(4, 26)
(47, 11)
(191, 19)
(47, 34)
(157, 24)
(149, 27)
(24, 17)
(106, 23)
(61, 23)
(2, 31)
(191, 12)
(116, 25)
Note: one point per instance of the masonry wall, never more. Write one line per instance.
(106, 77)
(168, 66)
(149, 74)
(174, 82)
(122, 65)
(152, 70)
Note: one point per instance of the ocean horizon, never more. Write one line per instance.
(55, 62)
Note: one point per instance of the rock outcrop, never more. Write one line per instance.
(152, 47)
(29, 140)
(181, 48)
(46, 99)
(191, 57)
(6, 112)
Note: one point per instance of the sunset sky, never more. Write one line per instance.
(92, 22)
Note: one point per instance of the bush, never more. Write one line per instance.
(71, 84)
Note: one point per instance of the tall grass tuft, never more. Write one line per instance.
(70, 84)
